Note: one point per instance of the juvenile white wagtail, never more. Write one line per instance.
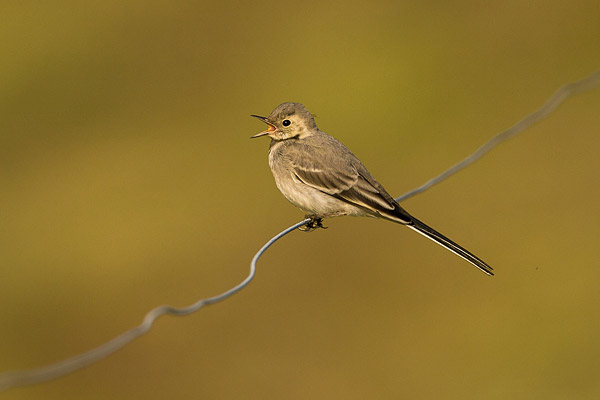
(319, 175)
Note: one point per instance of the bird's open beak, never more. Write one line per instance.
(266, 121)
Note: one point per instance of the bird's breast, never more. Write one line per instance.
(303, 196)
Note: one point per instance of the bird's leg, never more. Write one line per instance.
(314, 223)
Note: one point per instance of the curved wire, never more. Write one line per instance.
(37, 375)
(550, 105)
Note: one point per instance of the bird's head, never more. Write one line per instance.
(288, 121)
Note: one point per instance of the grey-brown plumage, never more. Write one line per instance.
(319, 175)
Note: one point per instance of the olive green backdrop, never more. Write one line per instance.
(128, 180)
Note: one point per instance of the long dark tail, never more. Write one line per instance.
(449, 244)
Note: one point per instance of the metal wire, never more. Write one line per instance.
(37, 375)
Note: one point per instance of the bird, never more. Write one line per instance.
(319, 175)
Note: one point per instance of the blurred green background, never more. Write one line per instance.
(128, 180)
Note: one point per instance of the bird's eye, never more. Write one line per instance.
(286, 122)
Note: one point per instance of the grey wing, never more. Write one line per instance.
(334, 170)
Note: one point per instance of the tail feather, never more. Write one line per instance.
(442, 240)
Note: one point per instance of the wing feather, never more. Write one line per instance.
(342, 175)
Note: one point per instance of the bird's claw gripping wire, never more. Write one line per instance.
(314, 223)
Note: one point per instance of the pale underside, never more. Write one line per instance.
(322, 177)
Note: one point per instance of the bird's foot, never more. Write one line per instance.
(314, 223)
